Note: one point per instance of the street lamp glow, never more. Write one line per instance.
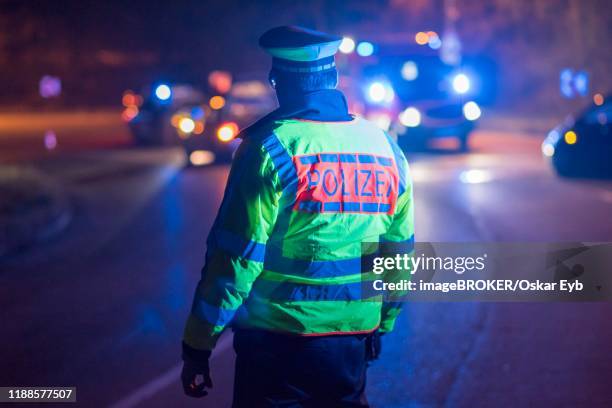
(365, 49)
(461, 83)
(471, 110)
(410, 117)
(347, 45)
(163, 92)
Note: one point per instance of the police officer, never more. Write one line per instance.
(309, 184)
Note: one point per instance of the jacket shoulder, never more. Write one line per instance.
(260, 129)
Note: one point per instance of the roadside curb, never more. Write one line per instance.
(33, 208)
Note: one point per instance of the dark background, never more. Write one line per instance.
(99, 49)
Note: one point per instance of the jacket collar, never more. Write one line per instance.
(325, 105)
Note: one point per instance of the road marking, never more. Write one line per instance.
(162, 381)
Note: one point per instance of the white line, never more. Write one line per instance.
(162, 381)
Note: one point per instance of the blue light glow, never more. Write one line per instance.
(365, 49)
(163, 92)
(461, 83)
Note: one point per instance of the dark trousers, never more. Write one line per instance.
(276, 370)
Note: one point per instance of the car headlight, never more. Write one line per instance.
(471, 110)
(227, 131)
(461, 83)
(410, 117)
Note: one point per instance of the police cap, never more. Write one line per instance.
(298, 49)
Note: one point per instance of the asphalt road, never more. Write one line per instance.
(102, 307)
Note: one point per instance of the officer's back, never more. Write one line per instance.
(310, 184)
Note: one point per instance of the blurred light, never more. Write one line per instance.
(461, 83)
(50, 86)
(475, 176)
(217, 102)
(570, 137)
(221, 81)
(201, 157)
(553, 136)
(379, 92)
(163, 92)
(434, 42)
(410, 71)
(382, 120)
(602, 118)
(471, 110)
(450, 52)
(347, 45)
(197, 113)
(581, 82)
(129, 113)
(128, 99)
(410, 117)
(548, 149)
(227, 131)
(598, 99)
(565, 83)
(199, 128)
(421, 38)
(186, 125)
(250, 89)
(174, 120)
(50, 140)
(365, 49)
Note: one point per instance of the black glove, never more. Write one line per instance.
(373, 346)
(195, 363)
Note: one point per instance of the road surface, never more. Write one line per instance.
(102, 307)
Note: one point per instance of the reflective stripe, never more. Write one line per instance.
(366, 158)
(282, 161)
(329, 158)
(348, 158)
(295, 292)
(337, 206)
(405, 246)
(400, 162)
(239, 246)
(275, 262)
(210, 314)
(309, 159)
(385, 161)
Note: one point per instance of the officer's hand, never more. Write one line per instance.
(192, 385)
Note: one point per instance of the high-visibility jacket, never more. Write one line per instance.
(284, 253)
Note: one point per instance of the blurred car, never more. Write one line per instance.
(149, 115)
(417, 97)
(206, 127)
(246, 101)
(581, 146)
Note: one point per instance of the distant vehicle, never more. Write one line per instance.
(416, 97)
(205, 126)
(247, 101)
(582, 146)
